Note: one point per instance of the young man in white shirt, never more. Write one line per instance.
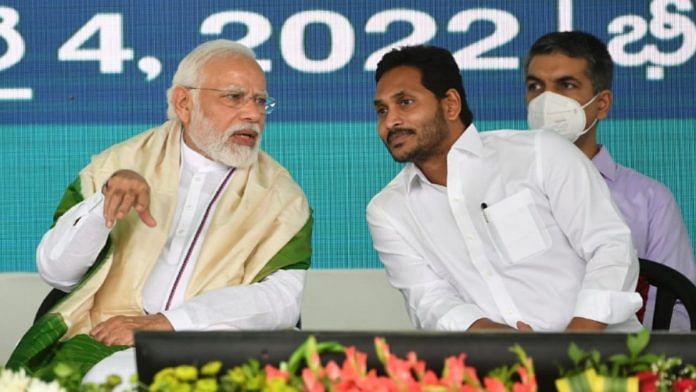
(494, 230)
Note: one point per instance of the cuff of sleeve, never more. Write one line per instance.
(179, 319)
(94, 206)
(460, 318)
(609, 307)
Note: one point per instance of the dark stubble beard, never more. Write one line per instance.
(427, 141)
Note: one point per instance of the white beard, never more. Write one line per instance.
(219, 146)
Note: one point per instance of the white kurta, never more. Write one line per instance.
(69, 249)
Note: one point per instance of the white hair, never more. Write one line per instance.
(189, 71)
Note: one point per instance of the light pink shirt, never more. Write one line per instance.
(657, 229)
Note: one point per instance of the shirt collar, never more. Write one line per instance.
(414, 177)
(605, 163)
(469, 141)
(197, 162)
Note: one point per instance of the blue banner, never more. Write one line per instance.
(86, 61)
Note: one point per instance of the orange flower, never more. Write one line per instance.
(272, 372)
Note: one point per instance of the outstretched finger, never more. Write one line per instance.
(112, 201)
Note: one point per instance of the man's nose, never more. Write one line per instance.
(251, 110)
(393, 119)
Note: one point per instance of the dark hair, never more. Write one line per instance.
(578, 44)
(439, 72)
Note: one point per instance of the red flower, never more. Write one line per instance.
(647, 381)
(684, 385)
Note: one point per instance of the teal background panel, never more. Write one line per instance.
(340, 166)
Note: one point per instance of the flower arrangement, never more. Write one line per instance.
(399, 374)
(304, 371)
(636, 371)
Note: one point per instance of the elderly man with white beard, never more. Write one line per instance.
(186, 226)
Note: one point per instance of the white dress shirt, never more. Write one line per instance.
(69, 249)
(524, 231)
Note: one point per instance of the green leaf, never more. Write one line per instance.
(332, 347)
(636, 343)
(623, 358)
(296, 358)
(595, 357)
(603, 369)
(575, 353)
(640, 367)
(312, 362)
(648, 358)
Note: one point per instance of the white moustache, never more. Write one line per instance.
(243, 127)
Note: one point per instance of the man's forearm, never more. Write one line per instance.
(68, 249)
(273, 303)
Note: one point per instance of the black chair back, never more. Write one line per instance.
(671, 286)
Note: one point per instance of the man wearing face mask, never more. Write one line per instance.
(568, 80)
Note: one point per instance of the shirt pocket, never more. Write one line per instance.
(516, 225)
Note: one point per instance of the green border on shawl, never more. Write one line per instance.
(296, 254)
(40, 348)
(71, 196)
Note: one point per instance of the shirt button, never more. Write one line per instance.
(180, 232)
(197, 178)
(188, 207)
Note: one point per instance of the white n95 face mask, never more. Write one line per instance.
(560, 114)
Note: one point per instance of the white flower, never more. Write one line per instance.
(19, 381)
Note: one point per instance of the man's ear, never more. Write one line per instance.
(451, 105)
(183, 104)
(604, 100)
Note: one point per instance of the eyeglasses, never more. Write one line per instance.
(237, 98)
